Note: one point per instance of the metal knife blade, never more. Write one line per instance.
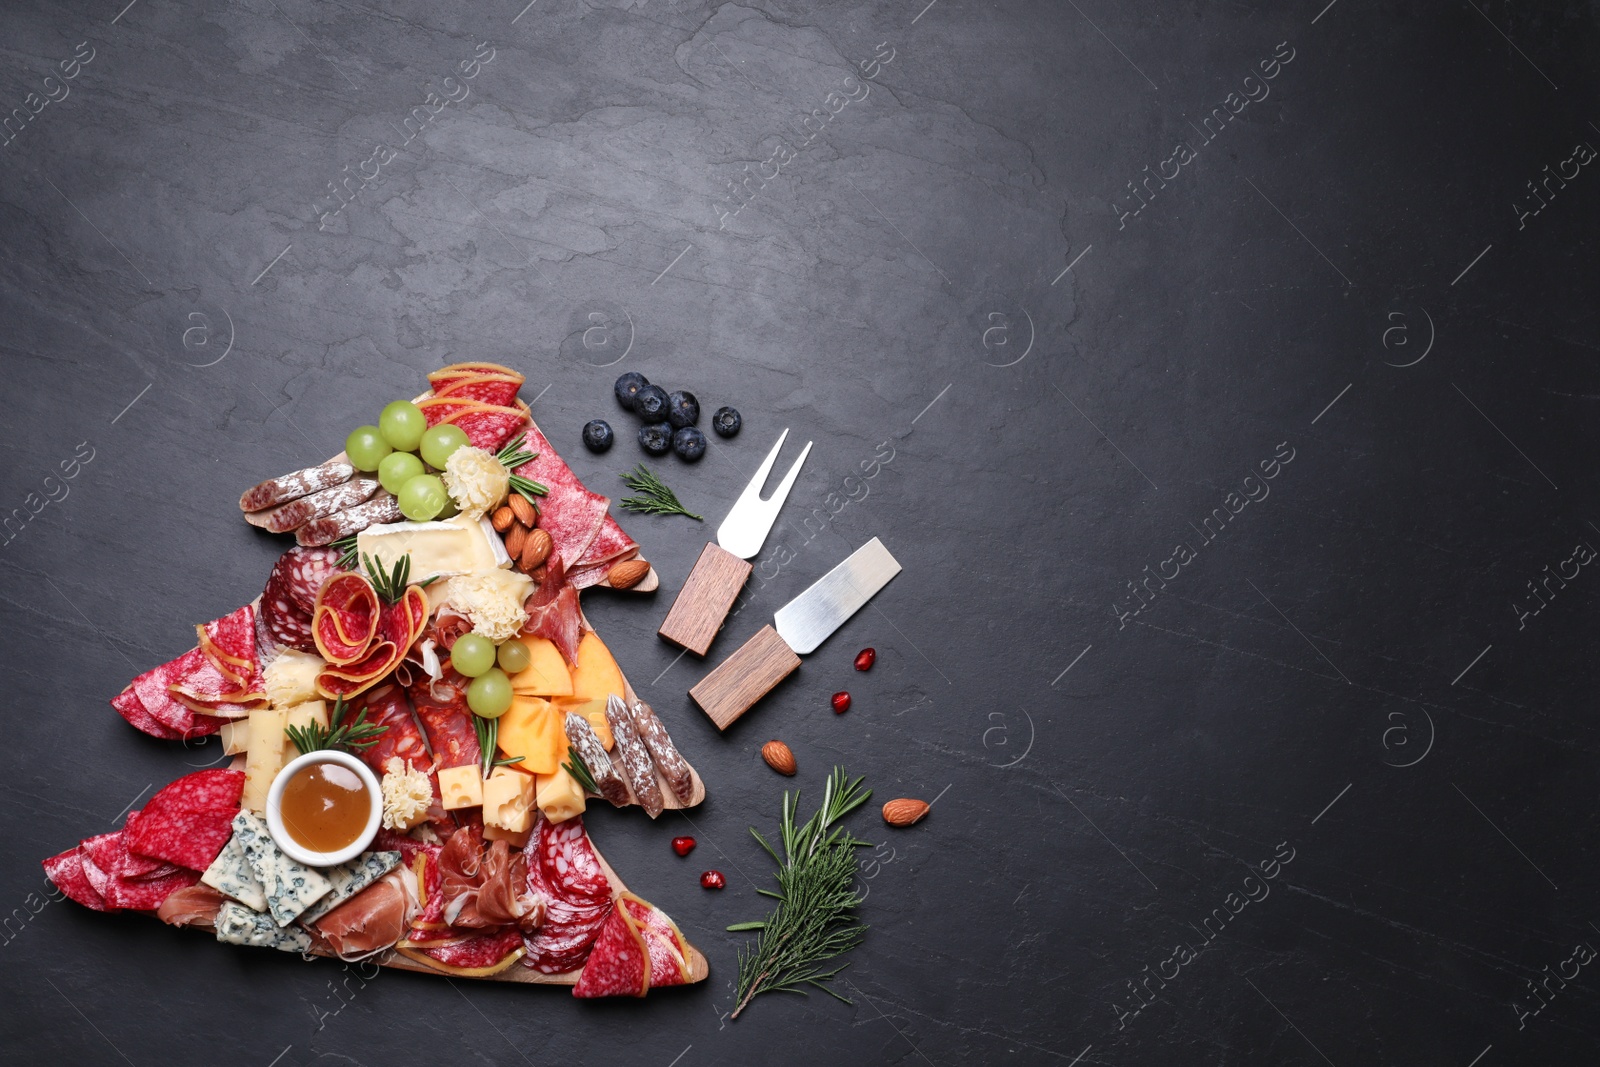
(807, 620)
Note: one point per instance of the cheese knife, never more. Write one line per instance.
(722, 569)
(798, 627)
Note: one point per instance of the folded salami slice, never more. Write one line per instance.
(131, 708)
(319, 505)
(296, 484)
(569, 513)
(669, 952)
(567, 862)
(619, 963)
(152, 689)
(230, 644)
(609, 545)
(147, 894)
(189, 821)
(346, 618)
(300, 574)
(485, 950)
(66, 872)
(382, 508)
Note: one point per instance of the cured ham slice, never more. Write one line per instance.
(373, 919)
(195, 905)
(553, 611)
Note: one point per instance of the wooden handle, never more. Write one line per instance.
(705, 598)
(745, 677)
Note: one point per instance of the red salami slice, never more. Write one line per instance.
(66, 871)
(669, 952)
(151, 689)
(230, 644)
(442, 709)
(487, 382)
(98, 878)
(387, 706)
(296, 513)
(608, 546)
(189, 821)
(302, 572)
(399, 624)
(285, 622)
(146, 894)
(131, 708)
(618, 965)
(568, 863)
(345, 620)
(480, 950)
(490, 430)
(570, 514)
(198, 680)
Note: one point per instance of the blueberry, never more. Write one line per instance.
(597, 435)
(682, 409)
(650, 403)
(656, 438)
(689, 443)
(628, 386)
(726, 422)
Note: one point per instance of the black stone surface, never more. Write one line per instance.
(948, 274)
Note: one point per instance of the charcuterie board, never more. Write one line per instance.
(426, 629)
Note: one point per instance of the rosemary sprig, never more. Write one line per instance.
(580, 772)
(359, 735)
(488, 738)
(657, 499)
(815, 920)
(391, 585)
(514, 455)
(347, 552)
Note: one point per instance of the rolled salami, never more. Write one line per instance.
(587, 744)
(318, 505)
(381, 509)
(636, 765)
(672, 766)
(292, 486)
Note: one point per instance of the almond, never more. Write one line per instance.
(904, 811)
(516, 537)
(525, 512)
(535, 549)
(538, 573)
(502, 519)
(629, 573)
(778, 757)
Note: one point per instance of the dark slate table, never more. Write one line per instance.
(1218, 372)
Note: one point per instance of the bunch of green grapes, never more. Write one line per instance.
(391, 448)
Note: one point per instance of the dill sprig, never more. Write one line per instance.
(815, 920)
(580, 772)
(514, 455)
(360, 734)
(656, 498)
(488, 740)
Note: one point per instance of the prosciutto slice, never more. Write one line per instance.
(372, 920)
(553, 610)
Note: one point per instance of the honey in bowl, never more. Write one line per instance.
(325, 807)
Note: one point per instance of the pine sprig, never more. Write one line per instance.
(815, 919)
(580, 772)
(514, 455)
(359, 735)
(488, 740)
(656, 498)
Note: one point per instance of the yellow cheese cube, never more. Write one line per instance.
(308, 713)
(235, 736)
(292, 678)
(264, 758)
(559, 796)
(461, 787)
(508, 800)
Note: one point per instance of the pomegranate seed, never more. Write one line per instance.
(683, 845)
(866, 658)
(841, 702)
(712, 880)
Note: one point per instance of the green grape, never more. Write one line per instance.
(489, 695)
(450, 510)
(397, 469)
(366, 448)
(401, 424)
(514, 656)
(439, 441)
(472, 654)
(422, 498)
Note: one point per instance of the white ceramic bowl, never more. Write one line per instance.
(294, 850)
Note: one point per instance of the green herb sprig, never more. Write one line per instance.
(359, 735)
(580, 772)
(514, 455)
(488, 738)
(347, 552)
(391, 585)
(656, 498)
(815, 919)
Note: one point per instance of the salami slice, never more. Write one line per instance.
(131, 708)
(480, 950)
(581, 736)
(448, 724)
(346, 618)
(668, 951)
(637, 767)
(568, 863)
(300, 574)
(609, 545)
(66, 871)
(189, 821)
(381, 509)
(294, 485)
(98, 878)
(673, 767)
(230, 644)
(146, 894)
(570, 514)
(399, 624)
(198, 679)
(151, 689)
(296, 513)
(488, 382)
(619, 963)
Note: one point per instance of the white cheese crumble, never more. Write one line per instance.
(492, 600)
(476, 480)
(406, 795)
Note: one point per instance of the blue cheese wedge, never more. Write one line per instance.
(238, 925)
(230, 875)
(348, 879)
(290, 887)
